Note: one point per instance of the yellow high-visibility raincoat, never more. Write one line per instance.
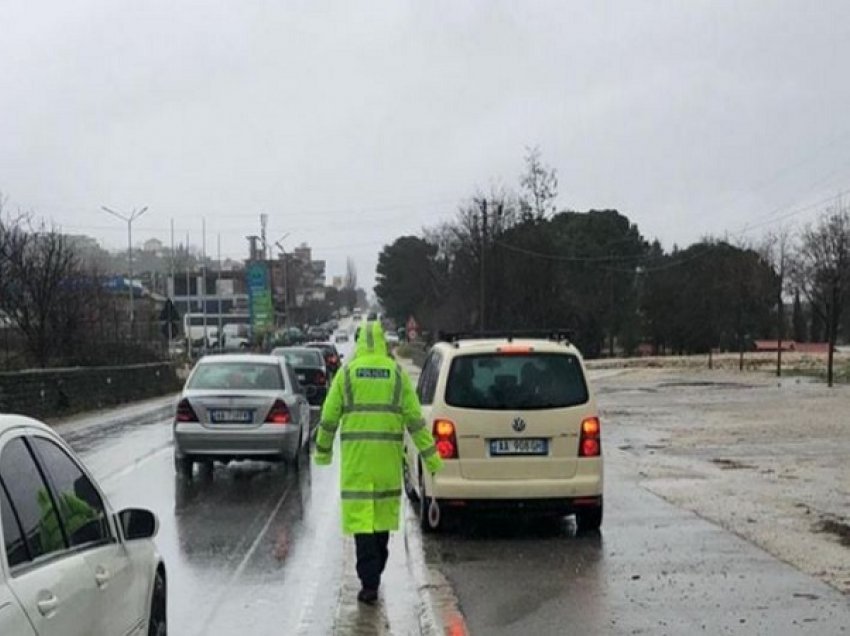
(372, 402)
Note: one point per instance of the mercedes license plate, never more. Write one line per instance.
(529, 446)
(239, 416)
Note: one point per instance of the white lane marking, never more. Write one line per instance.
(217, 603)
(323, 538)
(137, 463)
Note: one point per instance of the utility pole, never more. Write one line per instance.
(218, 296)
(264, 222)
(128, 219)
(187, 317)
(204, 278)
(482, 300)
(171, 286)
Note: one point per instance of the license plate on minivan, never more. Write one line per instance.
(237, 416)
(529, 446)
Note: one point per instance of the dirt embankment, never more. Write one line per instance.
(763, 457)
(792, 363)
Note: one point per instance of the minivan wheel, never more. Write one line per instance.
(183, 466)
(427, 524)
(589, 520)
(157, 623)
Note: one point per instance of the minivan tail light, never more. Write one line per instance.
(445, 439)
(185, 412)
(590, 444)
(279, 413)
(320, 378)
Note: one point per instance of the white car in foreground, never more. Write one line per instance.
(70, 566)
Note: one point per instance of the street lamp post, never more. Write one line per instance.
(128, 219)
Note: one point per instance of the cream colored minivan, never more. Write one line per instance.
(516, 424)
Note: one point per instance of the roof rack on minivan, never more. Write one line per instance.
(556, 335)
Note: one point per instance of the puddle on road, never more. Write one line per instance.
(836, 527)
(707, 384)
(731, 464)
(606, 390)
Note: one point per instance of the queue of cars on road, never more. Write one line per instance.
(513, 417)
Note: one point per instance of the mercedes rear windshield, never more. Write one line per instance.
(250, 376)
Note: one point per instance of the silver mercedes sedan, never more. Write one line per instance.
(240, 407)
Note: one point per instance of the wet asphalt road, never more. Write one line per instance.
(256, 549)
(654, 569)
(251, 548)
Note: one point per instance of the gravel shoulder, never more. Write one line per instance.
(762, 457)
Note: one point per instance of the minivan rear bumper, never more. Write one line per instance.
(450, 485)
(562, 505)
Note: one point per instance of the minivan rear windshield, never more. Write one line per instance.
(513, 382)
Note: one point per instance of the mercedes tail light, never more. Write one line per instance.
(185, 412)
(279, 414)
(445, 439)
(590, 444)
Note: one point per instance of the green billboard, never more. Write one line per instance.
(260, 297)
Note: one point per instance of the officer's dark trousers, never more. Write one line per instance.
(372, 554)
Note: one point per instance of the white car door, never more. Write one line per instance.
(12, 618)
(121, 590)
(52, 583)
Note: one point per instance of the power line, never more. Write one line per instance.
(643, 257)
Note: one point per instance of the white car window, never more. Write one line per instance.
(30, 500)
(80, 505)
(13, 540)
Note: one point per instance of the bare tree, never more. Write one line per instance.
(38, 267)
(822, 270)
(776, 251)
(539, 187)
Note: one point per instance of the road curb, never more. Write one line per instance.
(143, 412)
(440, 613)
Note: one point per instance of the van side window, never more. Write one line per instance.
(428, 380)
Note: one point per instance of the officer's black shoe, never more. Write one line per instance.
(367, 596)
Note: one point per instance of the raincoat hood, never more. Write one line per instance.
(370, 340)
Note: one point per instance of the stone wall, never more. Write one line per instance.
(48, 393)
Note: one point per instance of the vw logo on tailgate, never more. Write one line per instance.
(518, 424)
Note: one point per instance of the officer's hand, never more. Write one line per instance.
(434, 464)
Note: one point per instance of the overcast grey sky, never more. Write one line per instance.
(351, 123)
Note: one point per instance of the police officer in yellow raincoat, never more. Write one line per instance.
(372, 402)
